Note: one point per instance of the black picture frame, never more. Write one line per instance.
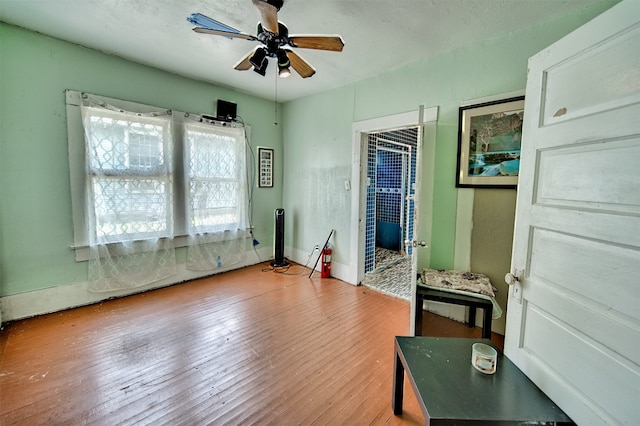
(489, 143)
(265, 167)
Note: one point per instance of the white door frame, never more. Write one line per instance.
(358, 206)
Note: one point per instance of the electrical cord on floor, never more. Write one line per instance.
(283, 269)
(315, 248)
(278, 269)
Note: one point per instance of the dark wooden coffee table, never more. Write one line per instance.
(450, 391)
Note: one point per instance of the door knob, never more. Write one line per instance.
(515, 286)
(511, 279)
(514, 278)
(415, 243)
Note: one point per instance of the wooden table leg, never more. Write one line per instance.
(398, 384)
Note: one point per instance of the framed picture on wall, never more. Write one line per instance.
(489, 139)
(265, 167)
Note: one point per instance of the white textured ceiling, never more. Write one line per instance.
(378, 35)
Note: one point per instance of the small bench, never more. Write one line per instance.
(472, 302)
(458, 288)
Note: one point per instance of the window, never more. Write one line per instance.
(152, 173)
(129, 175)
(216, 175)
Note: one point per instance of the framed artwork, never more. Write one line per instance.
(489, 139)
(265, 167)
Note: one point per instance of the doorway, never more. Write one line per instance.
(421, 198)
(390, 196)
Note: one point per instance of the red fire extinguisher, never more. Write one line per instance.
(325, 272)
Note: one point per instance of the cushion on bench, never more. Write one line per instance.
(468, 283)
(457, 280)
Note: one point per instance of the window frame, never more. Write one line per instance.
(124, 176)
(79, 179)
(196, 176)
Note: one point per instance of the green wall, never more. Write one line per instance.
(317, 163)
(318, 136)
(313, 144)
(35, 205)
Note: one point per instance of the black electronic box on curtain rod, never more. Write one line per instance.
(226, 111)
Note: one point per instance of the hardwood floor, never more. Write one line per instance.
(252, 346)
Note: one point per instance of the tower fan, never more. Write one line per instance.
(278, 244)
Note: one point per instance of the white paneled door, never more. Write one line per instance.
(573, 321)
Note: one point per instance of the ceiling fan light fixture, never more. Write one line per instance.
(259, 58)
(284, 72)
(262, 69)
(283, 59)
(283, 64)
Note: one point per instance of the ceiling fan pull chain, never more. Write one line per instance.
(275, 100)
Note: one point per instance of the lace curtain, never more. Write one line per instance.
(128, 196)
(217, 197)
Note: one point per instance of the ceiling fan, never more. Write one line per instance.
(274, 38)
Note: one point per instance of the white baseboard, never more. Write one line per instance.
(53, 299)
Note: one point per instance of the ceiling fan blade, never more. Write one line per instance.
(244, 63)
(224, 33)
(268, 15)
(300, 65)
(204, 21)
(320, 42)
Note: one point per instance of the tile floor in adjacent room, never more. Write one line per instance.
(392, 275)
